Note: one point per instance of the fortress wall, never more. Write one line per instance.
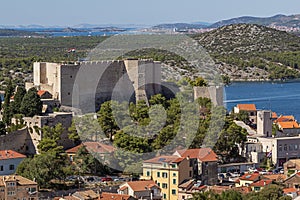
(51, 120)
(19, 141)
(215, 93)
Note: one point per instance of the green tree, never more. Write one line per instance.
(18, 97)
(73, 134)
(7, 112)
(2, 128)
(31, 103)
(86, 163)
(107, 120)
(44, 168)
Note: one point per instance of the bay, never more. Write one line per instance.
(280, 97)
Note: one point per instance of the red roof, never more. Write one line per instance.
(165, 159)
(285, 118)
(246, 107)
(203, 154)
(10, 154)
(114, 196)
(98, 147)
(141, 185)
(95, 147)
(74, 149)
(274, 115)
(41, 92)
(288, 124)
(261, 183)
(250, 177)
(123, 188)
(289, 190)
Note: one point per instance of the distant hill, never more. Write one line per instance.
(277, 20)
(180, 26)
(17, 33)
(246, 38)
(249, 51)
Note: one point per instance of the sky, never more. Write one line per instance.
(150, 12)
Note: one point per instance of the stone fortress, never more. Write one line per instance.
(133, 79)
(129, 80)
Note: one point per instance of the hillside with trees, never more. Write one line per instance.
(246, 51)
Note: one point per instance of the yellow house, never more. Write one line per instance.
(247, 180)
(168, 172)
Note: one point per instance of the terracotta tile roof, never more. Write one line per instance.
(219, 189)
(243, 189)
(66, 198)
(288, 124)
(114, 196)
(289, 190)
(74, 149)
(275, 177)
(165, 159)
(250, 177)
(98, 147)
(123, 188)
(10, 154)
(261, 183)
(88, 194)
(187, 183)
(19, 179)
(285, 118)
(246, 107)
(203, 154)
(41, 92)
(141, 185)
(274, 115)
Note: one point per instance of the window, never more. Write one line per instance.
(1, 168)
(164, 185)
(280, 148)
(148, 173)
(296, 147)
(190, 173)
(290, 147)
(158, 184)
(174, 181)
(11, 193)
(174, 174)
(285, 147)
(191, 162)
(158, 174)
(173, 165)
(11, 184)
(165, 196)
(173, 191)
(164, 175)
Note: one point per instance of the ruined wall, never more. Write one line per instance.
(19, 141)
(215, 93)
(33, 123)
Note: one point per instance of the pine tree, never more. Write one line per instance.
(7, 114)
(31, 104)
(16, 104)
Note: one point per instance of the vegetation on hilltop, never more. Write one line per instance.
(246, 51)
(18, 54)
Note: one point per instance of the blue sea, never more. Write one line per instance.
(58, 32)
(280, 97)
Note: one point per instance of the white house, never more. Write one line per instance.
(9, 161)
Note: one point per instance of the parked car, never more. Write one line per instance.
(263, 172)
(106, 179)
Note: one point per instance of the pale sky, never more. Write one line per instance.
(72, 12)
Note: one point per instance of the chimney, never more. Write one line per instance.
(264, 183)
